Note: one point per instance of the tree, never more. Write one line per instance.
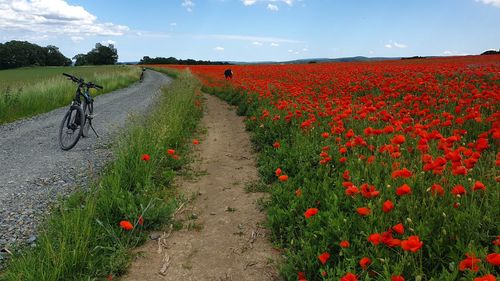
(53, 57)
(80, 59)
(102, 55)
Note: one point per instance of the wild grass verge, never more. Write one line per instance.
(83, 239)
(27, 92)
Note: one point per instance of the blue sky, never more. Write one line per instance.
(256, 30)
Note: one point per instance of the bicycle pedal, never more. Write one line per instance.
(90, 116)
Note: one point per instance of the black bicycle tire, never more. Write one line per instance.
(86, 125)
(61, 127)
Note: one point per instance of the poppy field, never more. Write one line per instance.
(377, 171)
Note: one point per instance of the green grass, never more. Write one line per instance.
(82, 239)
(25, 92)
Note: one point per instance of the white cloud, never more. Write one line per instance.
(220, 49)
(454, 53)
(173, 24)
(398, 45)
(76, 39)
(108, 42)
(274, 44)
(246, 38)
(252, 2)
(249, 2)
(188, 4)
(305, 49)
(53, 17)
(272, 7)
(257, 43)
(495, 3)
(394, 44)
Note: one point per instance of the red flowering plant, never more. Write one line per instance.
(398, 157)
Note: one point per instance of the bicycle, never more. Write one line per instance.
(78, 118)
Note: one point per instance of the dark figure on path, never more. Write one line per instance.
(228, 74)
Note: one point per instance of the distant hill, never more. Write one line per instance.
(320, 60)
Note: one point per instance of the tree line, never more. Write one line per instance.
(21, 53)
(172, 60)
(15, 54)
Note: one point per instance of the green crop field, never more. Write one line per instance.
(29, 91)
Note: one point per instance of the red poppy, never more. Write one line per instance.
(346, 175)
(343, 150)
(470, 263)
(403, 190)
(310, 212)
(459, 170)
(323, 258)
(369, 191)
(126, 225)
(351, 190)
(387, 206)
(342, 159)
(365, 262)
(344, 244)
(363, 211)
(145, 157)
(458, 190)
(399, 228)
(493, 259)
(403, 173)
(278, 172)
(412, 244)
(283, 178)
(171, 151)
(437, 189)
(276, 145)
(398, 139)
(110, 277)
(195, 142)
(489, 277)
(301, 276)
(298, 192)
(375, 238)
(478, 186)
(397, 278)
(497, 241)
(325, 135)
(140, 220)
(349, 277)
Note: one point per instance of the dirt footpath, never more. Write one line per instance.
(222, 236)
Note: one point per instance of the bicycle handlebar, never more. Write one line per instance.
(82, 82)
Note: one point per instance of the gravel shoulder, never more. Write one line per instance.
(35, 172)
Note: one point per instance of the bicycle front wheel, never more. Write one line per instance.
(71, 127)
(88, 111)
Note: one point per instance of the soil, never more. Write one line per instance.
(223, 235)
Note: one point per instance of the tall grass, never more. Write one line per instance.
(82, 239)
(29, 91)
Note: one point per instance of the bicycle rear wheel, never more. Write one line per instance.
(88, 111)
(71, 127)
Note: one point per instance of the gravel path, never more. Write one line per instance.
(34, 171)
